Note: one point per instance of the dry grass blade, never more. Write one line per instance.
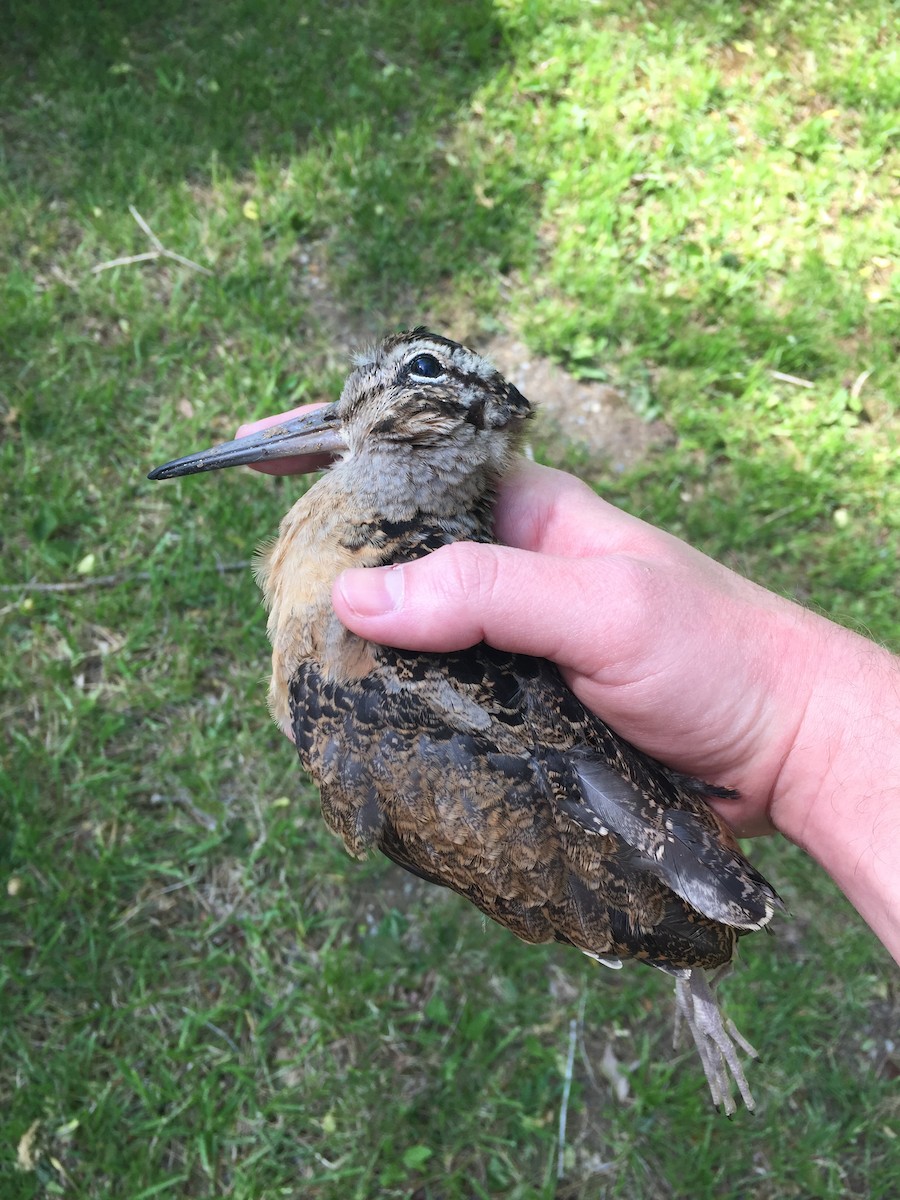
(158, 251)
(108, 581)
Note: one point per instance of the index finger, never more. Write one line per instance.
(299, 464)
(552, 512)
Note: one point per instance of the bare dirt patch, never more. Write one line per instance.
(594, 418)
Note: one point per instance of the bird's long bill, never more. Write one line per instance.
(316, 433)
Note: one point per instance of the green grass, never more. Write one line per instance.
(200, 995)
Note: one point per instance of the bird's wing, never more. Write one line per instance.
(691, 853)
(433, 760)
(605, 785)
(659, 817)
(418, 773)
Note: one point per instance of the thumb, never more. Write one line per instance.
(468, 592)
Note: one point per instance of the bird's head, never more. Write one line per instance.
(417, 410)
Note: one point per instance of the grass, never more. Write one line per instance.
(199, 994)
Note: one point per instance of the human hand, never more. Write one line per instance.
(692, 663)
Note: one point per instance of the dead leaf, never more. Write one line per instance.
(27, 1154)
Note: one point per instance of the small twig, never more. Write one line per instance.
(158, 251)
(104, 581)
(795, 379)
(186, 262)
(564, 1107)
(126, 261)
(154, 240)
(776, 516)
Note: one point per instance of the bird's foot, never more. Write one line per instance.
(715, 1038)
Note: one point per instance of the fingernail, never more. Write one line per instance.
(373, 591)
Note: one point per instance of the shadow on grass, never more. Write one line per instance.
(184, 88)
(110, 106)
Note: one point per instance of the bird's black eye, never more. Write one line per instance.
(426, 365)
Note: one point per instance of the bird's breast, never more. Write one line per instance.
(296, 574)
(326, 532)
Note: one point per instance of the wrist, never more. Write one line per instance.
(838, 792)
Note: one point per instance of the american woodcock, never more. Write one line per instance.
(479, 769)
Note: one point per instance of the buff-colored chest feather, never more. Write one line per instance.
(296, 574)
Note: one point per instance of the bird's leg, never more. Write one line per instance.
(715, 1038)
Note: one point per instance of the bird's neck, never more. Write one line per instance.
(394, 487)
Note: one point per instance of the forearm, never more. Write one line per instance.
(838, 793)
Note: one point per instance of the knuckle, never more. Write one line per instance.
(470, 571)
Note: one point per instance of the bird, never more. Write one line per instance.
(479, 769)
